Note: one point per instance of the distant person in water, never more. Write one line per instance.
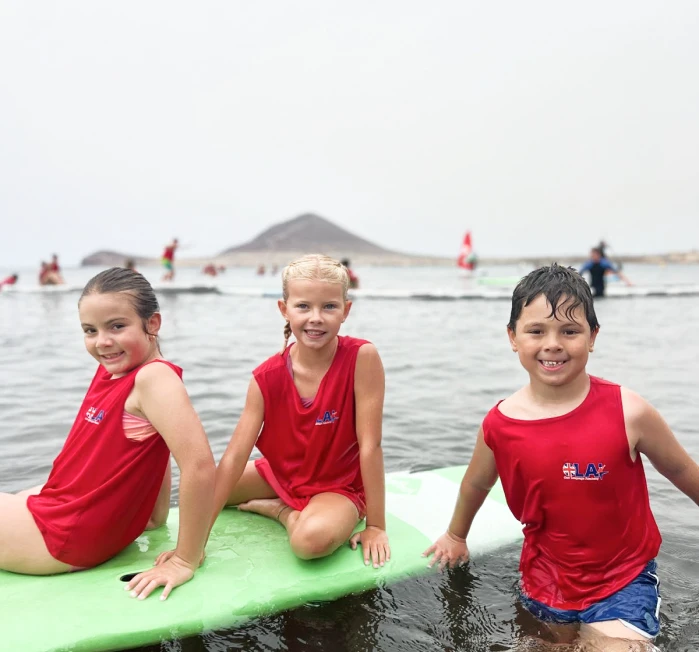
(354, 279)
(10, 280)
(598, 266)
(168, 260)
(54, 266)
(130, 264)
(47, 275)
(210, 270)
(261, 270)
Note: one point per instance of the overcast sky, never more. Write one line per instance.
(541, 126)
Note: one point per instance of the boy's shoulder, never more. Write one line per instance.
(602, 382)
(518, 405)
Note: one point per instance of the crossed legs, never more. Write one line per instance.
(318, 530)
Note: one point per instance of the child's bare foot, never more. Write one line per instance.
(269, 507)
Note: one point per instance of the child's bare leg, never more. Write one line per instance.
(30, 492)
(613, 636)
(322, 527)
(317, 531)
(22, 548)
(251, 486)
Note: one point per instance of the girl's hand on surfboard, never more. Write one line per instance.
(164, 556)
(448, 550)
(374, 542)
(170, 574)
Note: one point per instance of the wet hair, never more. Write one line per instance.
(313, 267)
(135, 285)
(564, 288)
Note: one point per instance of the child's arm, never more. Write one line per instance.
(162, 504)
(163, 399)
(368, 395)
(237, 453)
(649, 434)
(480, 476)
(235, 457)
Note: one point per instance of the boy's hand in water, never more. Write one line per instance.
(374, 542)
(170, 574)
(164, 556)
(449, 550)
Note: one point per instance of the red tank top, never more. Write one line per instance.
(588, 526)
(312, 449)
(103, 487)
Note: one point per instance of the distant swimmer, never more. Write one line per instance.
(599, 267)
(168, 260)
(354, 279)
(48, 275)
(261, 270)
(130, 264)
(55, 267)
(210, 270)
(10, 280)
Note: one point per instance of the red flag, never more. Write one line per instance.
(465, 259)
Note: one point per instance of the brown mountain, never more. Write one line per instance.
(308, 232)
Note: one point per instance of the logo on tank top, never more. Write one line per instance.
(592, 471)
(329, 416)
(95, 415)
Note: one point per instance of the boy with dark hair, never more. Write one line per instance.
(567, 448)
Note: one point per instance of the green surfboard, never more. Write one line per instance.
(249, 572)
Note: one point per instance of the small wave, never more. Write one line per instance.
(482, 293)
(435, 294)
(68, 289)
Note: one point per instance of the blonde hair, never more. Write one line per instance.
(313, 267)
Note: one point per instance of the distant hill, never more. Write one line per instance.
(308, 232)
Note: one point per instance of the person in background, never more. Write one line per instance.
(47, 275)
(168, 260)
(354, 279)
(598, 268)
(130, 264)
(10, 280)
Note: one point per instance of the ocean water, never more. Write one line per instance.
(447, 362)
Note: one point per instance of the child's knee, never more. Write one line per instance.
(311, 540)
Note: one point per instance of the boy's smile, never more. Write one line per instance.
(552, 348)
